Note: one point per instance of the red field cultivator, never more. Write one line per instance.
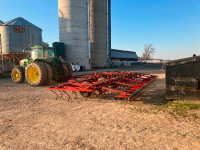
(120, 85)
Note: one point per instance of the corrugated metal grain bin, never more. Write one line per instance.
(60, 49)
(183, 79)
(1, 22)
(17, 34)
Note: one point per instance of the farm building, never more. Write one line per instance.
(155, 61)
(124, 58)
(15, 35)
(1, 22)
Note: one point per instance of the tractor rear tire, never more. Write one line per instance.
(36, 74)
(65, 69)
(18, 74)
(49, 73)
(70, 71)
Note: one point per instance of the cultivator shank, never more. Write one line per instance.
(120, 85)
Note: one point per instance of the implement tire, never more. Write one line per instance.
(36, 74)
(49, 73)
(18, 74)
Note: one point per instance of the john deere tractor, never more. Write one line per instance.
(41, 67)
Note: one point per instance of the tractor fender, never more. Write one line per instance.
(43, 60)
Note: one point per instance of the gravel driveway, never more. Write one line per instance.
(31, 118)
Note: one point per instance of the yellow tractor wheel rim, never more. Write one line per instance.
(33, 74)
(16, 75)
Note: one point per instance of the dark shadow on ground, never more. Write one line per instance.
(153, 94)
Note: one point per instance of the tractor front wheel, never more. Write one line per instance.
(18, 74)
(36, 74)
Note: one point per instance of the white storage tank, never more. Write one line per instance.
(17, 34)
(85, 28)
(100, 32)
(74, 30)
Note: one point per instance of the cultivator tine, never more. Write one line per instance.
(68, 96)
(75, 93)
(56, 94)
(103, 85)
(61, 94)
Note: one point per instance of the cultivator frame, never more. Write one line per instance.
(124, 84)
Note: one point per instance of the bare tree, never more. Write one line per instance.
(148, 52)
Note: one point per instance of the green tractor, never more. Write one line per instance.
(41, 67)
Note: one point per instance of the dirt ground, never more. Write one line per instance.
(31, 118)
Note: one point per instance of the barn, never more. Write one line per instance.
(123, 57)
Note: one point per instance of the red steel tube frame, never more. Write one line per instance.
(107, 81)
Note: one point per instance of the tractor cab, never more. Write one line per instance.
(38, 53)
(41, 52)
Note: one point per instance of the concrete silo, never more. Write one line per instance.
(74, 30)
(84, 27)
(100, 32)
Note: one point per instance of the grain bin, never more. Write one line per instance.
(183, 79)
(1, 22)
(17, 34)
(100, 32)
(74, 30)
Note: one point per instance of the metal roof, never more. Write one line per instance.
(1, 22)
(19, 22)
(184, 61)
(123, 54)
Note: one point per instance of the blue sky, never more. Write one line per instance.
(172, 26)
